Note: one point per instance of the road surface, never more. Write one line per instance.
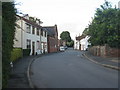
(70, 69)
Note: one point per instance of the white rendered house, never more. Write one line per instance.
(28, 34)
(44, 41)
(76, 44)
(84, 43)
(81, 42)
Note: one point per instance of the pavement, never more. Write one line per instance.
(19, 75)
(109, 62)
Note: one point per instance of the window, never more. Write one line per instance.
(28, 44)
(33, 30)
(41, 32)
(37, 31)
(38, 45)
(28, 28)
(45, 34)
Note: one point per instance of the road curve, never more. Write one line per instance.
(70, 69)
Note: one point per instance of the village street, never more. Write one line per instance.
(70, 69)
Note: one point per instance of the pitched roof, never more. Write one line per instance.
(52, 30)
(80, 37)
(30, 22)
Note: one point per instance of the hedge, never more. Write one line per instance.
(8, 31)
(26, 52)
(16, 54)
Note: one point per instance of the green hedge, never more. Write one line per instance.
(8, 31)
(19, 53)
(16, 54)
(26, 52)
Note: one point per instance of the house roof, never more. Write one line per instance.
(80, 37)
(52, 30)
(30, 22)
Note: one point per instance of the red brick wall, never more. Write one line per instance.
(52, 42)
(104, 51)
(58, 44)
(113, 52)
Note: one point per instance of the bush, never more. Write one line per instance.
(8, 31)
(16, 54)
(26, 52)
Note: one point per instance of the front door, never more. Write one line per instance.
(33, 48)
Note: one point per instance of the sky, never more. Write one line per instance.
(69, 15)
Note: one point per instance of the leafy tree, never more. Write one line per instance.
(104, 27)
(70, 44)
(85, 32)
(8, 30)
(65, 35)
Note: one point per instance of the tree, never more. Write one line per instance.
(8, 31)
(65, 35)
(85, 32)
(70, 44)
(104, 27)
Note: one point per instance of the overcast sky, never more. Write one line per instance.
(69, 15)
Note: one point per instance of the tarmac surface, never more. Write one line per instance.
(70, 69)
(19, 75)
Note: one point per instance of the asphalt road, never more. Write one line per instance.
(70, 69)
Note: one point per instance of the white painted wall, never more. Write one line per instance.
(76, 44)
(22, 36)
(17, 40)
(44, 40)
(84, 43)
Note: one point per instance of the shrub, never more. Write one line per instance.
(26, 52)
(16, 54)
(8, 30)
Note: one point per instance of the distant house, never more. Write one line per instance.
(52, 38)
(62, 43)
(59, 44)
(84, 43)
(28, 34)
(76, 44)
(81, 42)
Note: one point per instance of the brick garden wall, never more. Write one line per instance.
(104, 51)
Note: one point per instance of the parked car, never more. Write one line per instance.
(62, 48)
(65, 47)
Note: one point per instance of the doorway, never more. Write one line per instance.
(33, 48)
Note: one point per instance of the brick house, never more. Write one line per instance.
(52, 38)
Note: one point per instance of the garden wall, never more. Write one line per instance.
(104, 51)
